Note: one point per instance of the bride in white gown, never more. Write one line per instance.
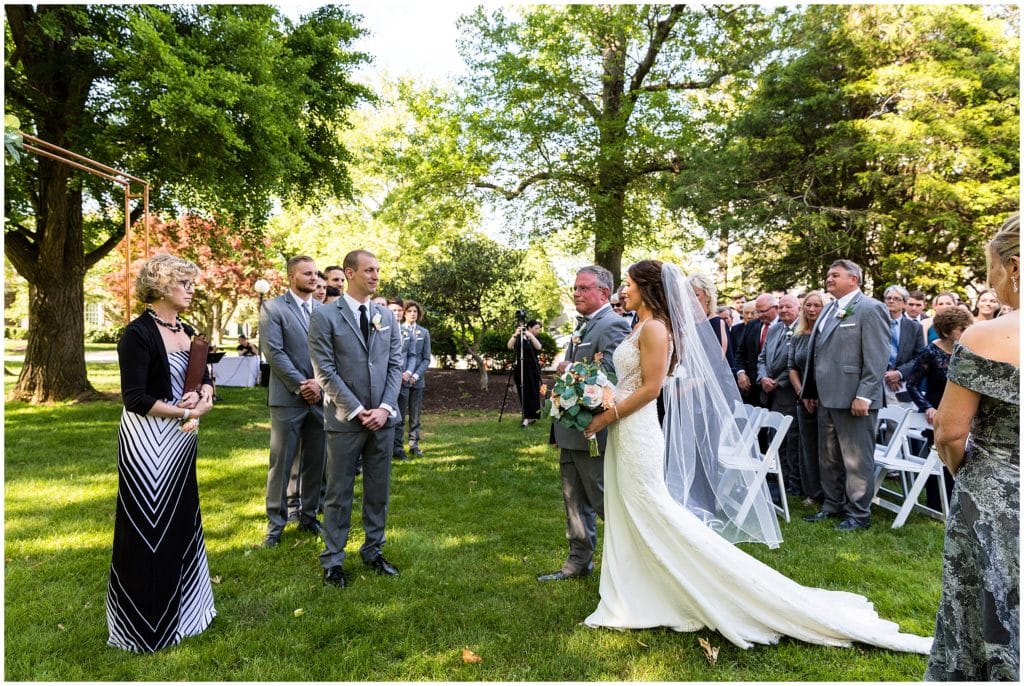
(662, 565)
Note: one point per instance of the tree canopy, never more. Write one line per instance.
(223, 108)
(886, 134)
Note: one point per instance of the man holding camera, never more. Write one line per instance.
(599, 330)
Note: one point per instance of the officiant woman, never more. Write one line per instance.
(159, 590)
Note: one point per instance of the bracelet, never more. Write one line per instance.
(616, 408)
(184, 417)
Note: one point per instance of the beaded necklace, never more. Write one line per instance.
(176, 327)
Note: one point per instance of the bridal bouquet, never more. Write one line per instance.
(582, 391)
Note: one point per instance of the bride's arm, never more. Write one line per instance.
(653, 344)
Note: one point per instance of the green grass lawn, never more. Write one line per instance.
(470, 526)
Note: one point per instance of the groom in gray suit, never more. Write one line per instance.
(849, 349)
(296, 412)
(356, 349)
(599, 329)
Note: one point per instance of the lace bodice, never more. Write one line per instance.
(627, 364)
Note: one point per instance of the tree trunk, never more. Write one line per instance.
(54, 366)
(481, 365)
(609, 196)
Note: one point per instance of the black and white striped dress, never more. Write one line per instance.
(159, 588)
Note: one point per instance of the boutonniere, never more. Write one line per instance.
(577, 335)
(843, 313)
(376, 321)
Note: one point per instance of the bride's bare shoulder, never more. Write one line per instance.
(654, 330)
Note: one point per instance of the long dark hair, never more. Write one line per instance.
(646, 276)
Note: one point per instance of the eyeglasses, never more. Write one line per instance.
(187, 285)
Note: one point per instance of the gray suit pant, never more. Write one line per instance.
(410, 405)
(583, 493)
(344, 450)
(810, 471)
(290, 428)
(846, 454)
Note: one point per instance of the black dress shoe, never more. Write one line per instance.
(820, 515)
(311, 525)
(415, 450)
(400, 455)
(271, 540)
(851, 524)
(335, 577)
(560, 575)
(380, 565)
(293, 517)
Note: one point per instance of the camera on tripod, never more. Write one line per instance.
(521, 317)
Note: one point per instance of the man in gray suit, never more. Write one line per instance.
(906, 341)
(294, 397)
(849, 348)
(356, 349)
(599, 330)
(777, 392)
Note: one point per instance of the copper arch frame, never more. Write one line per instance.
(123, 179)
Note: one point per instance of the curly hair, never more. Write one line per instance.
(159, 274)
(950, 319)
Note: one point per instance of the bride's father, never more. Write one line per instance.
(599, 329)
(356, 347)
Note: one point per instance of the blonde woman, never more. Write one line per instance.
(977, 435)
(159, 589)
(810, 474)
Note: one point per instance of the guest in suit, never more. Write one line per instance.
(915, 307)
(320, 293)
(335, 276)
(755, 333)
(777, 392)
(294, 397)
(355, 346)
(416, 340)
(906, 341)
(810, 474)
(599, 331)
(843, 384)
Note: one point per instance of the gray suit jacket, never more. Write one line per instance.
(284, 344)
(351, 373)
(848, 356)
(773, 361)
(603, 333)
(416, 349)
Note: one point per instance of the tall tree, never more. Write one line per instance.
(576, 111)
(889, 135)
(221, 107)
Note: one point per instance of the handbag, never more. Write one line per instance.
(196, 370)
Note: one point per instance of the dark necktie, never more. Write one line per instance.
(364, 323)
(580, 321)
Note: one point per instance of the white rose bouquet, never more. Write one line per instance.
(582, 391)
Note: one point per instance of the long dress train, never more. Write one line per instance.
(662, 566)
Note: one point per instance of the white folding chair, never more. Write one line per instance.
(895, 455)
(749, 459)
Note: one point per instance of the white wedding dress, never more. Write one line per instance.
(662, 566)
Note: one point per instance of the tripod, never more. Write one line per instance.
(522, 367)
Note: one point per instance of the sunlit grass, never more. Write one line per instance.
(470, 525)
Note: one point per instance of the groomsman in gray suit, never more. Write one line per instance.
(294, 397)
(849, 349)
(356, 349)
(599, 329)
